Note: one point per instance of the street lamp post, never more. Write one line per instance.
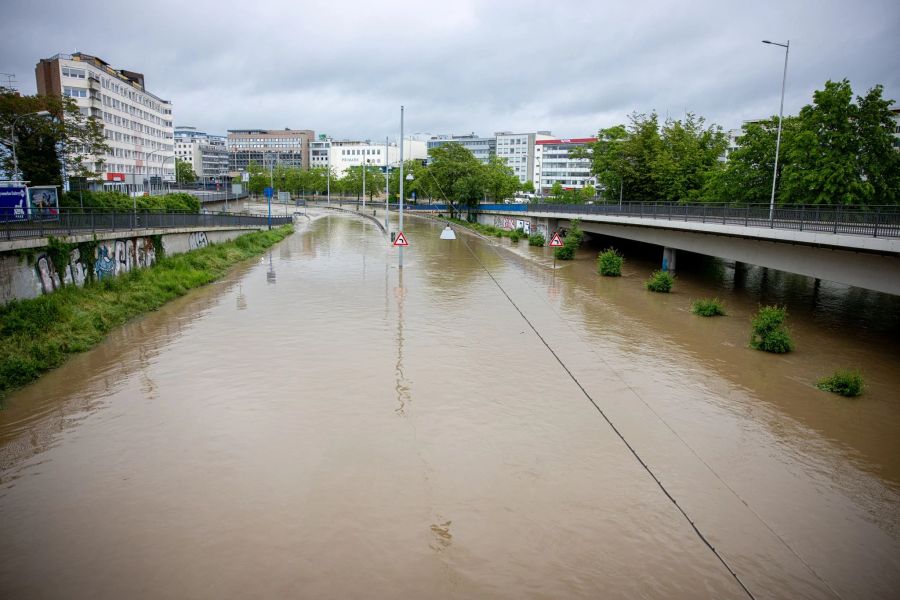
(387, 185)
(364, 179)
(400, 248)
(787, 48)
(12, 134)
(328, 180)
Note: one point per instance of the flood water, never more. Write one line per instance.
(478, 424)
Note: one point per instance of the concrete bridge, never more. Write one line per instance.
(855, 247)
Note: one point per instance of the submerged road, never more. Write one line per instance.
(323, 424)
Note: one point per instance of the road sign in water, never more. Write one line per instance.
(268, 192)
(13, 204)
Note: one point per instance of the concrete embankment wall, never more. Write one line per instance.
(31, 272)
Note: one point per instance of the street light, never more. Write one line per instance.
(12, 134)
(787, 48)
(400, 259)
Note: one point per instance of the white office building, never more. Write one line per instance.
(137, 124)
(518, 150)
(349, 153)
(556, 166)
(483, 148)
(207, 154)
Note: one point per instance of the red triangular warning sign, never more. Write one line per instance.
(556, 242)
(401, 240)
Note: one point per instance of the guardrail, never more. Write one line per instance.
(876, 221)
(70, 222)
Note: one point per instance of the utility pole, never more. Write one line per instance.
(387, 185)
(364, 178)
(400, 248)
(787, 49)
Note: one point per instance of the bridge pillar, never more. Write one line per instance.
(668, 261)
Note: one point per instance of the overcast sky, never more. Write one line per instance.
(344, 68)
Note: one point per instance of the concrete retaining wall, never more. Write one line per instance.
(24, 276)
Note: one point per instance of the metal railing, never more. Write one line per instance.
(873, 221)
(73, 222)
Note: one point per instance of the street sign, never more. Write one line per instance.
(13, 206)
(556, 242)
(401, 240)
(268, 192)
(245, 177)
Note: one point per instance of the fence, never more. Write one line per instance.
(69, 222)
(878, 221)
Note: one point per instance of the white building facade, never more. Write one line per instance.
(518, 150)
(556, 166)
(347, 153)
(137, 124)
(483, 148)
(207, 153)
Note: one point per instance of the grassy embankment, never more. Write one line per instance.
(39, 334)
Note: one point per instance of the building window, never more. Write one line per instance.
(71, 72)
(74, 92)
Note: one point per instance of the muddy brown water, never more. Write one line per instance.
(322, 424)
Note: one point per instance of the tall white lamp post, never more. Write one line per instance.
(787, 48)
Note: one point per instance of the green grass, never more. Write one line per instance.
(843, 382)
(609, 263)
(39, 334)
(660, 281)
(708, 307)
(768, 332)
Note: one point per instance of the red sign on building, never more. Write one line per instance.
(115, 177)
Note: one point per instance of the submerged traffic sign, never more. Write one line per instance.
(401, 240)
(556, 242)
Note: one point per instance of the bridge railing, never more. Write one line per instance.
(877, 221)
(70, 222)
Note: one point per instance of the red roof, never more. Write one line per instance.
(568, 141)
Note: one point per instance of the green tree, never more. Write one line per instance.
(528, 187)
(457, 174)
(556, 192)
(687, 157)
(259, 178)
(184, 172)
(834, 152)
(499, 179)
(45, 144)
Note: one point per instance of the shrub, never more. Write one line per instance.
(609, 263)
(708, 307)
(536, 239)
(661, 281)
(571, 242)
(769, 334)
(843, 382)
(514, 236)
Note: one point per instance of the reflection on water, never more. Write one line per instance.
(245, 440)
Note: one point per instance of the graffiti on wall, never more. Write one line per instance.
(510, 223)
(197, 240)
(111, 258)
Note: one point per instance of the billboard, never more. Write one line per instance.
(43, 203)
(13, 205)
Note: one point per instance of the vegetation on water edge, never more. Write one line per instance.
(768, 331)
(708, 307)
(571, 242)
(490, 230)
(609, 263)
(536, 239)
(119, 202)
(37, 335)
(661, 281)
(844, 382)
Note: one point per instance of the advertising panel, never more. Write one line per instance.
(43, 203)
(13, 205)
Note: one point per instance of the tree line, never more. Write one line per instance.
(835, 151)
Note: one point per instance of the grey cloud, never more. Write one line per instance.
(345, 67)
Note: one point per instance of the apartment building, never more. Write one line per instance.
(557, 166)
(482, 147)
(137, 123)
(207, 154)
(518, 150)
(268, 147)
